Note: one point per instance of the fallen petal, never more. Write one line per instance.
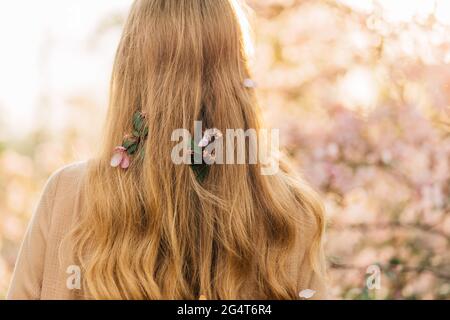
(306, 294)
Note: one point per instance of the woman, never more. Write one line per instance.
(132, 224)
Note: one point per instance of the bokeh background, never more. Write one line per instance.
(359, 88)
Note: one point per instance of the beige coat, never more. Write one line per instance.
(43, 266)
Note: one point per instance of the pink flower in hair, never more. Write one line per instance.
(208, 137)
(120, 158)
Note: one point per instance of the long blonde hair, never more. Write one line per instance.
(154, 231)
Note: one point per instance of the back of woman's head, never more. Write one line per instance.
(155, 230)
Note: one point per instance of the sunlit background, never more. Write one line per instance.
(360, 91)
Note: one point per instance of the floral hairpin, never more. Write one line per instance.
(131, 142)
(199, 151)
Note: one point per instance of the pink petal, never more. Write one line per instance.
(204, 142)
(125, 164)
(120, 149)
(217, 134)
(116, 159)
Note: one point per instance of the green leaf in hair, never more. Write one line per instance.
(132, 149)
(145, 132)
(131, 142)
(138, 122)
(200, 170)
(128, 143)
